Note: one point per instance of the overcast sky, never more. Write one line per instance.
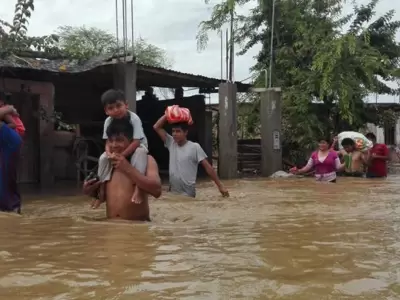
(169, 24)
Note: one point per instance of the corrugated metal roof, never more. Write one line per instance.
(76, 66)
(55, 66)
(165, 70)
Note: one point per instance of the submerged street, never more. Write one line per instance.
(284, 239)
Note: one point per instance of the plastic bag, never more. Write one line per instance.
(177, 114)
(362, 143)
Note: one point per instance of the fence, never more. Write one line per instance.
(249, 156)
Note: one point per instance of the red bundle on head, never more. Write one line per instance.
(176, 114)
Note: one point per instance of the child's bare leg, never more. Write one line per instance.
(137, 198)
(104, 173)
(139, 162)
(104, 169)
(101, 197)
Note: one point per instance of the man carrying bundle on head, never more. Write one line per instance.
(353, 148)
(184, 155)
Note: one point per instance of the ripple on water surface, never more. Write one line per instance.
(288, 239)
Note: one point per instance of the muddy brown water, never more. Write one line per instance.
(283, 239)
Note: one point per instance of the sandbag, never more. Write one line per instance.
(362, 143)
(177, 114)
(281, 174)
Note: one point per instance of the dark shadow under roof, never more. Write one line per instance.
(101, 68)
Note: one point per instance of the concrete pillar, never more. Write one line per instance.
(125, 80)
(208, 140)
(397, 133)
(227, 148)
(271, 128)
(371, 128)
(380, 135)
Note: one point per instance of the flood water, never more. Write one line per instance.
(284, 239)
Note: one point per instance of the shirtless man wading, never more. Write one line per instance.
(119, 190)
(354, 160)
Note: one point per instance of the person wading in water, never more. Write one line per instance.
(325, 162)
(184, 159)
(10, 145)
(354, 160)
(378, 158)
(124, 179)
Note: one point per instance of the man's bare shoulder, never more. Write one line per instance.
(152, 167)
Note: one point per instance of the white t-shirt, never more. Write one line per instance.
(183, 166)
(138, 132)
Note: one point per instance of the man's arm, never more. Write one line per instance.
(341, 154)
(364, 158)
(202, 158)
(158, 127)
(385, 153)
(91, 187)
(131, 148)
(211, 172)
(149, 183)
(213, 175)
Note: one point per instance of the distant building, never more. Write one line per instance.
(389, 135)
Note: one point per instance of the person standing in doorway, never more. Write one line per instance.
(378, 157)
(184, 158)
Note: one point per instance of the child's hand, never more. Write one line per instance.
(12, 109)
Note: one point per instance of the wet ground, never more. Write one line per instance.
(284, 239)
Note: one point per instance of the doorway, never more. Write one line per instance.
(27, 106)
(390, 137)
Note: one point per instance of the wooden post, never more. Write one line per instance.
(47, 178)
(125, 80)
(271, 128)
(227, 148)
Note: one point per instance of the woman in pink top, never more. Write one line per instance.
(324, 161)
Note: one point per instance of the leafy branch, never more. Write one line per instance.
(325, 71)
(55, 118)
(14, 38)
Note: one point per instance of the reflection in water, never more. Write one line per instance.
(288, 239)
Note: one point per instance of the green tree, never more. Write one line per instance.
(14, 40)
(70, 42)
(86, 42)
(314, 60)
